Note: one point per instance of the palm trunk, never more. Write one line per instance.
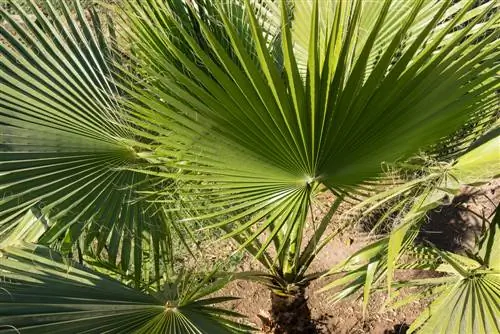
(291, 314)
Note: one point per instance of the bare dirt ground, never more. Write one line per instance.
(452, 227)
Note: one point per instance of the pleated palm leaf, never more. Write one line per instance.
(249, 137)
(66, 139)
(40, 292)
(466, 299)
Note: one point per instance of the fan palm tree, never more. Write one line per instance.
(298, 123)
(229, 114)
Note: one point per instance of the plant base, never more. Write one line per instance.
(291, 314)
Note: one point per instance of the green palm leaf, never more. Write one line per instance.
(42, 293)
(467, 302)
(249, 137)
(65, 137)
(475, 308)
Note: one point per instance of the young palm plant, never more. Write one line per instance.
(256, 105)
(231, 114)
(471, 287)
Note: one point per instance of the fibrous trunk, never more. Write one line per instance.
(291, 314)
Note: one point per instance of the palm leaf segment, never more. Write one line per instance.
(65, 139)
(465, 300)
(40, 293)
(248, 134)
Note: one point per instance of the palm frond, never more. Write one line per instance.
(66, 139)
(472, 292)
(249, 137)
(40, 292)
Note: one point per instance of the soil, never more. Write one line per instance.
(452, 227)
(455, 227)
